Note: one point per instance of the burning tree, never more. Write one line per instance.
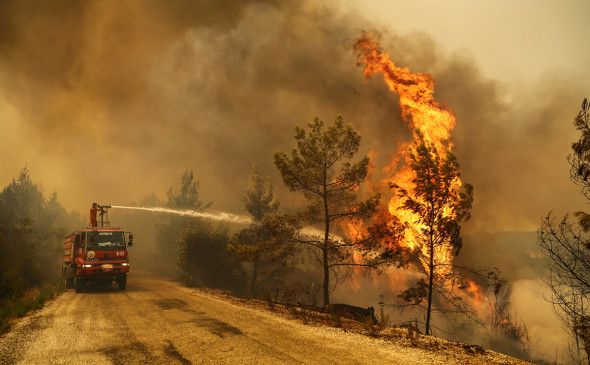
(431, 201)
(266, 245)
(566, 247)
(438, 202)
(321, 168)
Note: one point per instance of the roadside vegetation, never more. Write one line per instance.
(32, 226)
(264, 248)
(565, 244)
(31, 299)
(294, 257)
(299, 258)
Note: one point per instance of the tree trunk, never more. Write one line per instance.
(253, 278)
(430, 285)
(325, 262)
(587, 346)
(325, 256)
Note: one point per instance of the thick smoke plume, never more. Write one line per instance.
(111, 101)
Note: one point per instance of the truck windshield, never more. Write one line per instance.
(105, 241)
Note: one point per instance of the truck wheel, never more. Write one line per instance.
(122, 282)
(64, 276)
(68, 278)
(78, 284)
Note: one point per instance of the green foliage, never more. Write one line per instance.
(266, 246)
(266, 249)
(186, 197)
(204, 259)
(579, 160)
(31, 230)
(32, 299)
(259, 199)
(198, 247)
(322, 169)
(565, 245)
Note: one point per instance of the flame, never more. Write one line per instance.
(424, 115)
(416, 92)
(355, 231)
(435, 122)
(474, 291)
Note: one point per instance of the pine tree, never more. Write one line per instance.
(440, 204)
(185, 197)
(322, 169)
(266, 245)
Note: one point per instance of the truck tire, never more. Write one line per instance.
(78, 284)
(122, 282)
(65, 278)
(68, 278)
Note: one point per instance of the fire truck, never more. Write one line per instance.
(96, 254)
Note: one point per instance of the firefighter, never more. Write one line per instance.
(93, 213)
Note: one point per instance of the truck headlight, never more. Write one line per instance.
(125, 264)
(86, 265)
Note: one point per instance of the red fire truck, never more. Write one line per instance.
(96, 254)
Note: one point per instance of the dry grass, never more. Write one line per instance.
(31, 299)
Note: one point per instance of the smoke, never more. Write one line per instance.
(111, 101)
(118, 95)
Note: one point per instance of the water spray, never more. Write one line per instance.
(216, 216)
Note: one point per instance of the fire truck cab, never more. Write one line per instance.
(97, 254)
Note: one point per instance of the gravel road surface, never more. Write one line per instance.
(157, 321)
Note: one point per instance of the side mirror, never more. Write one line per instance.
(130, 243)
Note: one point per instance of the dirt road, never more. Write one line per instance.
(161, 322)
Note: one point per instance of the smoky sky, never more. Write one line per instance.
(109, 101)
